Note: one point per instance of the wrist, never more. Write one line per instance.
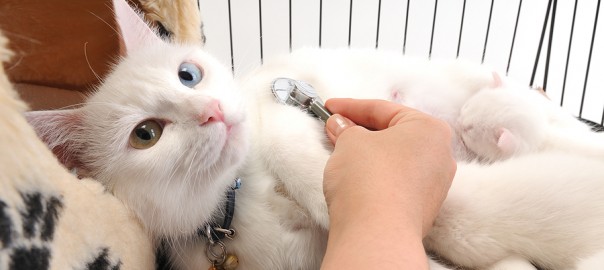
(360, 245)
(368, 241)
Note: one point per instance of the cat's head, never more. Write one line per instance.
(507, 120)
(165, 132)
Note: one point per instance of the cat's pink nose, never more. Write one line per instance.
(211, 113)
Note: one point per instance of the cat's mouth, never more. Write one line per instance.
(231, 131)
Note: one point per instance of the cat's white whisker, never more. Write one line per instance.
(88, 62)
(107, 23)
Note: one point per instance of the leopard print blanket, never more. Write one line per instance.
(49, 219)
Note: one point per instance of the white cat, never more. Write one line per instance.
(546, 208)
(511, 120)
(169, 131)
(437, 87)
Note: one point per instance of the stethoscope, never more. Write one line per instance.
(299, 94)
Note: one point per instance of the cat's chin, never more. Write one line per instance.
(182, 215)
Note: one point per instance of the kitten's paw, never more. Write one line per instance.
(513, 262)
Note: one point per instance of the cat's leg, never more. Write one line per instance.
(513, 262)
(295, 156)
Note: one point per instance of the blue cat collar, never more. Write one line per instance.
(215, 232)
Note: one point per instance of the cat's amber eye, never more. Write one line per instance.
(146, 134)
(189, 74)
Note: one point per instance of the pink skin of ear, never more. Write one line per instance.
(506, 141)
(134, 31)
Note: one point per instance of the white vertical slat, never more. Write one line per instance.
(579, 55)
(364, 24)
(501, 33)
(594, 95)
(419, 28)
(335, 23)
(305, 23)
(474, 29)
(275, 28)
(215, 15)
(392, 25)
(246, 35)
(528, 33)
(446, 29)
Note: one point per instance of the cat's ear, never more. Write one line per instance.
(506, 142)
(135, 33)
(497, 82)
(57, 128)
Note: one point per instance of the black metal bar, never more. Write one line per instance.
(463, 15)
(591, 48)
(486, 38)
(260, 20)
(231, 39)
(549, 45)
(549, 5)
(350, 24)
(321, 22)
(377, 31)
(507, 70)
(433, 26)
(602, 121)
(406, 24)
(570, 44)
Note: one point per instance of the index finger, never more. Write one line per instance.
(371, 113)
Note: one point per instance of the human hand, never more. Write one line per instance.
(406, 163)
(384, 183)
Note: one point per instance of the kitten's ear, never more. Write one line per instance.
(506, 142)
(57, 128)
(135, 33)
(497, 82)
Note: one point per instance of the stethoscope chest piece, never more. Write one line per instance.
(299, 94)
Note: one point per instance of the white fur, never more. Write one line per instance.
(437, 87)
(513, 262)
(513, 120)
(187, 158)
(546, 207)
(281, 218)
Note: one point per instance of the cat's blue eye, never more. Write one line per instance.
(189, 74)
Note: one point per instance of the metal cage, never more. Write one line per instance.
(549, 43)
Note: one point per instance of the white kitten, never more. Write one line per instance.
(510, 120)
(545, 207)
(168, 131)
(437, 87)
(167, 134)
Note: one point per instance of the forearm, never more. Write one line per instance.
(374, 240)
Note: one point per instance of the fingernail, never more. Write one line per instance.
(337, 123)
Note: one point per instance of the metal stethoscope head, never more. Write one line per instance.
(299, 94)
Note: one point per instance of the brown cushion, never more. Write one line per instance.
(57, 45)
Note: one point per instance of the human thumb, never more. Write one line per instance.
(336, 124)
